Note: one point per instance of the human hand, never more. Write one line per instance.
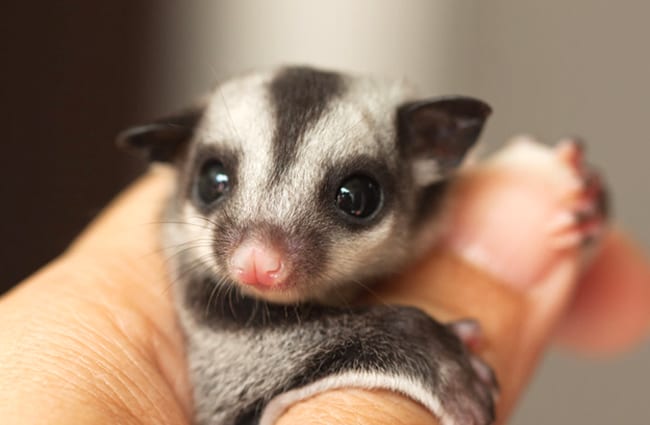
(92, 337)
(524, 275)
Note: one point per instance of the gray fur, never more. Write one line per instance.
(245, 352)
(289, 137)
(300, 96)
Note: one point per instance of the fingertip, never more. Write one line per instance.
(610, 311)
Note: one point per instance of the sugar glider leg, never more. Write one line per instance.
(400, 349)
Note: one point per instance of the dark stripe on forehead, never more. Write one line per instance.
(299, 97)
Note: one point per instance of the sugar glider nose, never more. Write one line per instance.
(258, 264)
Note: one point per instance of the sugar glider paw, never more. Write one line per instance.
(526, 208)
(582, 220)
(469, 400)
(473, 404)
(470, 333)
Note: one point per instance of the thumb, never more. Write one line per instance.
(528, 219)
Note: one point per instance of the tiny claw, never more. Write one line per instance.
(571, 150)
(602, 202)
(468, 331)
(585, 213)
(581, 223)
(486, 375)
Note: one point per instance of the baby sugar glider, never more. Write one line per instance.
(297, 188)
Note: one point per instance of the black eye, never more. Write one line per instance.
(358, 196)
(212, 182)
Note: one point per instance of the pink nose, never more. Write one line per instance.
(254, 263)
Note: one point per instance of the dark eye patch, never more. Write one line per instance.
(213, 175)
(212, 182)
(359, 196)
(358, 192)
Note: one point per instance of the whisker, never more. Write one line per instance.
(297, 314)
(197, 243)
(183, 223)
(181, 274)
(231, 122)
(373, 293)
(265, 314)
(205, 219)
(253, 312)
(217, 288)
(231, 305)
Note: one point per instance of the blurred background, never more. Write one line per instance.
(74, 73)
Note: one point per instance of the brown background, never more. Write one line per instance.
(72, 75)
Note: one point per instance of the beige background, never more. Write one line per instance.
(549, 68)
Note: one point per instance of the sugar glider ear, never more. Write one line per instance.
(162, 139)
(442, 130)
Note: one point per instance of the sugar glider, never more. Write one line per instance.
(297, 188)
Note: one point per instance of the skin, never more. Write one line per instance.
(92, 338)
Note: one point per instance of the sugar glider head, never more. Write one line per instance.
(300, 184)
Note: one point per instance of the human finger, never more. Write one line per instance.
(610, 311)
(92, 337)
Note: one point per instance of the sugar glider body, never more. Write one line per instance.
(296, 189)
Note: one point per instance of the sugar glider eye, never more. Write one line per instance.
(359, 196)
(213, 181)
